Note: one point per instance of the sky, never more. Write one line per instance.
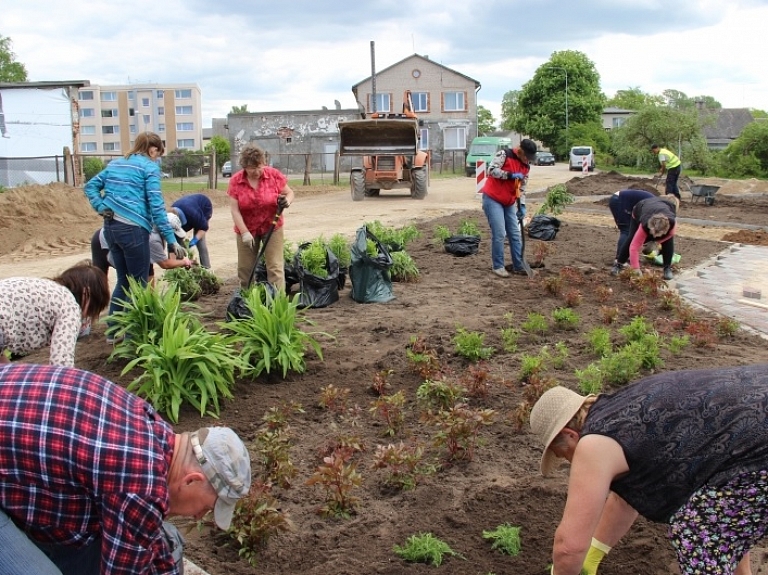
(301, 55)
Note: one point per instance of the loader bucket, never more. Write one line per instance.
(379, 137)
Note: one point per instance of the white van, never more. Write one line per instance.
(577, 158)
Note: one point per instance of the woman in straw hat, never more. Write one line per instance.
(685, 448)
(653, 219)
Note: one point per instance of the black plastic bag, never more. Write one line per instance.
(290, 274)
(543, 227)
(238, 309)
(370, 277)
(462, 245)
(314, 290)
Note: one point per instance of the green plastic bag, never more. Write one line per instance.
(660, 262)
(370, 277)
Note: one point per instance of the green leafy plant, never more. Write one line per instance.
(609, 314)
(536, 324)
(573, 298)
(509, 338)
(390, 409)
(620, 367)
(561, 354)
(556, 200)
(334, 399)
(531, 365)
(289, 252)
(441, 233)
(273, 448)
(553, 285)
(314, 257)
(193, 282)
(469, 228)
(505, 538)
(439, 395)
(637, 329)
(271, 338)
(590, 379)
(425, 548)
(565, 318)
(477, 380)
(257, 518)
(337, 477)
(423, 358)
(677, 343)
(143, 316)
(184, 363)
(469, 344)
(599, 340)
(403, 268)
(395, 239)
(339, 245)
(403, 463)
(380, 385)
(726, 327)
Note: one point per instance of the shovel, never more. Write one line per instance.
(526, 267)
(237, 308)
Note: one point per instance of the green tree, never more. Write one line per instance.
(486, 123)
(633, 99)
(510, 110)
(91, 167)
(182, 163)
(747, 155)
(221, 146)
(541, 103)
(10, 69)
(240, 109)
(758, 113)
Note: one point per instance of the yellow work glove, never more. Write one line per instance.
(596, 552)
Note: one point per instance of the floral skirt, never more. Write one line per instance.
(719, 525)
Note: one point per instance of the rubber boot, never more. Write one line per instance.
(668, 273)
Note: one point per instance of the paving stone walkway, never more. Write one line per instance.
(734, 283)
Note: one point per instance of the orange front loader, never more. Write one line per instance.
(389, 145)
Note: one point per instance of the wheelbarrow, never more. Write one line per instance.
(705, 192)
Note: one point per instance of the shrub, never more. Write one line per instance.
(620, 367)
(441, 233)
(678, 343)
(556, 200)
(531, 365)
(609, 314)
(637, 329)
(271, 338)
(314, 257)
(469, 344)
(553, 285)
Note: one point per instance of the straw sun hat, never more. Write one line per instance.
(554, 409)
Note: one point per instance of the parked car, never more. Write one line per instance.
(165, 175)
(226, 170)
(544, 159)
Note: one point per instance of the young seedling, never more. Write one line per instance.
(477, 381)
(603, 293)
(403, 464)
(390, 409)
(334, 399)
(553, 285)
(425, 548)
(505, 538)
(536, 324)
(469, 344)
(599, 339)
(338, 478)
(440, 395)
(561, 354)
(590, 379)
(678, 343)
(702, 333)
(469, 228)
(441, 233)
(565, 318)
(403, 268)
(423, 358)
(459, 429)
(509, 339)
(573, 298)
(380, 385)
(540, 251)
(609, 314)
(273, 448)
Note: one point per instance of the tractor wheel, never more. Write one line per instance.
(419, 183)
(357, 186)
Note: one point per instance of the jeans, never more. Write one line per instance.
(129, 248)
(19, 555)
(671, 187)
(504, 224)
(622, 220)
(202, 250)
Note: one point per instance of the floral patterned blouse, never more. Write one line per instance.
(36, 312)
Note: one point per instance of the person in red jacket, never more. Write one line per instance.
(507, 176)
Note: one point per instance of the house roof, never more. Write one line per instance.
(46, 84)
(729, 122)
(422, 59)
(614, 110)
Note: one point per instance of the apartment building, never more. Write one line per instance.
(111, 116)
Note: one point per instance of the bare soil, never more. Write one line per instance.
(501, 484)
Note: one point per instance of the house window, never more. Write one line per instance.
(86, 95)
(160, 94)
(87, 113)
(132, 129)
(146, 118)
(131, 95)
(383, 103)
(131, 112)
(109, 96)
(420, 101)
(424, 139)
(183, 93)
(454, 102)
(88, 147)
(145, 102)
(618, 122)
(109, 113)
(183, 110)
(111, 146)
(455, 138)
(161, 111)
(185, 126)
(110, 129)
(185, 144)
(87, 130)
(161, 127)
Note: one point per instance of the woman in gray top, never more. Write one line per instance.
(686, 448)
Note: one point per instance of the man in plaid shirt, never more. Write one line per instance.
(89, 472)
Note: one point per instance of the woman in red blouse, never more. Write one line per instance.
(255, 193)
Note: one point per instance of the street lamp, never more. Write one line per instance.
(566, 101)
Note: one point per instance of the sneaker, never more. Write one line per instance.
(501, 272)
(616, 269)
(520, 272)
(668, 274)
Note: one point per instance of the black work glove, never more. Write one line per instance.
(282, 202)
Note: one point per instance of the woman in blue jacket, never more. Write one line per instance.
(127, 195)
